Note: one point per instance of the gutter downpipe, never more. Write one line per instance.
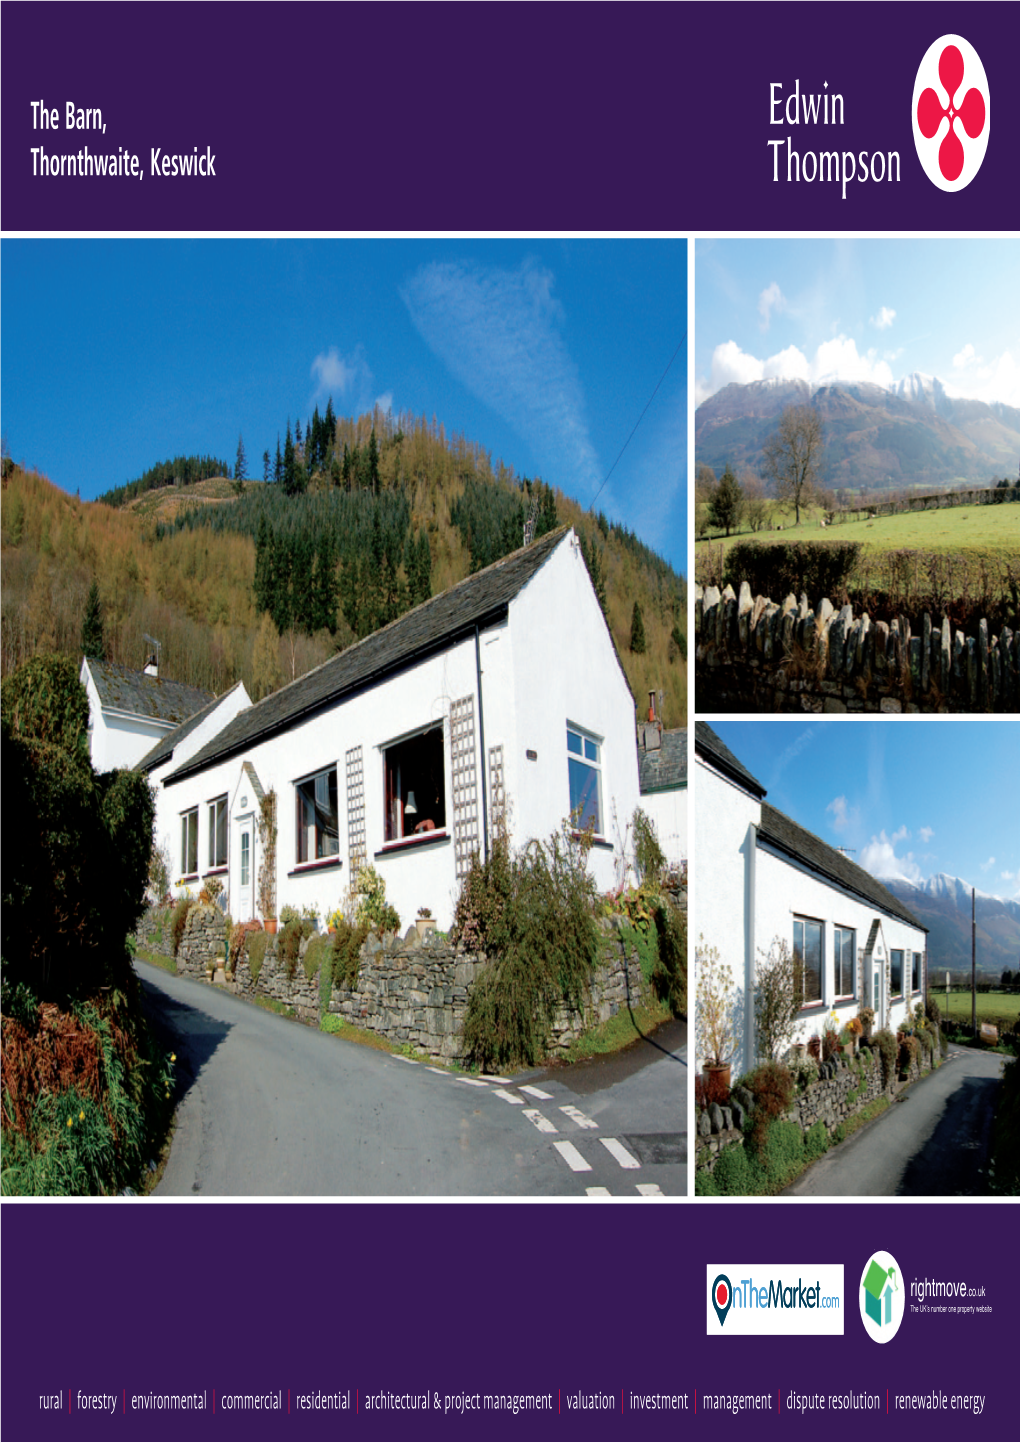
(481, 743)
(752, 884)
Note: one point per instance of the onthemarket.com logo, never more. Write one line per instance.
(788, 1301)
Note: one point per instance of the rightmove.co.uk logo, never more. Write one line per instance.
(951, 113)
(881, 1297)
(780, 1301)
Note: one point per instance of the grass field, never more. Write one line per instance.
(978, 530)
(993, 1006)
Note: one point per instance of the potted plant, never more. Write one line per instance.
(424, 922)
(267, 865)
(333, 921)
(866, 1017)
(715, 1029)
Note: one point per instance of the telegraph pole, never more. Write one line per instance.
(973, 965)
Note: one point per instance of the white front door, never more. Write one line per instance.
(246, 869)
(878, 995)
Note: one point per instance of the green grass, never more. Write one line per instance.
(165, 963)
(990, 1004)
(628, 1025)
(978, 531)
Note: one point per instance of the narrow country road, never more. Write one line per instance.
(932, 1142)
(268, 1107)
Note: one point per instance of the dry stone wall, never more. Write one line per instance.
(842, 1090)
(756, 655)
(412, 991)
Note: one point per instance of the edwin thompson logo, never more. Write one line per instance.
(950, 113)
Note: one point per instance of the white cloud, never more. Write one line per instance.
(385, 402)
(836, 360)
(498, 332)
(925, 833)
(988, 381)
(333, 374)
(987, 865)
(843, 814)
(771, 299)
(884, 319)
(879, 857)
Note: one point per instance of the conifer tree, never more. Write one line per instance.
(289, 465)
(241, 464)
(93, 639)
(637, 631)
(373, 463)
(265, 467)
(278, 468)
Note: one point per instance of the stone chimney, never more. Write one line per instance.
(650, 731)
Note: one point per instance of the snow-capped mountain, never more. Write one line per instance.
(943, 904)
(915, 433)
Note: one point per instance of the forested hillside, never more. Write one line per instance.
(242, 579)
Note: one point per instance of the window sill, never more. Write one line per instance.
(598, 843)
(812, 1007)
(412, 843)
(844, 1001)
(327, 863)
(215, 871)
(188, 878)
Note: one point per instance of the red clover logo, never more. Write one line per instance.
(950, 113)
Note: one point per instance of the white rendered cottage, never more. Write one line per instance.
(500, 702)
(762, 877)
(131, 710)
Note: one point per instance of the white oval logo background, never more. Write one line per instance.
(882, 1296)
(929, 148)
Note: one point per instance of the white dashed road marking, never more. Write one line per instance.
(543, 1123)
(598, 1191)
(572, 1157)
(409, 1059)
(618, 1151)
(439, 1071)
(537, 1092)
(508, 1096)
(472, 1081)
(579, 1118)
(649, 1189)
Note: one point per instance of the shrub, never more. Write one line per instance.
(777, 994)
(714, 999)
(830, 1043)
(773, 1088)
(819, 568)
(318, 950)
(649, 855)
(907, 1051)
(84, 842)
(887, 1048)
(733, 1172)
(669, 974)
(325, 975)
(372, 904)
(534, 916)
(289, 944)
(932, 1012)
(238, 937)
(816, 1143)
(782, 1153)
(927, 1041)
(257, 944)
(347, 943)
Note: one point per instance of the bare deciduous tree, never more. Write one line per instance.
(793, 456)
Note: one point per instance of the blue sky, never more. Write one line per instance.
(908, 798)
(120, 354)
(874, 310)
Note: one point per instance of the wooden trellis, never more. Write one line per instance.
(355, 810)
(465, 783)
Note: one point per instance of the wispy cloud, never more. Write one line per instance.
(884, 319)
(987, 865)
(925, 833)
(843, 815)
(499, 332)
(771, 299)
(342, 377)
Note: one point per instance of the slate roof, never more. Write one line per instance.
(167, 745)
(708, 744)
(787, 836)
(150, 697)
(665, 769)
(479, 600)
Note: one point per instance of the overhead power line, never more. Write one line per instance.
(640, 418)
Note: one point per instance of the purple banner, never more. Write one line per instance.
(598, 1318)
(496, 117)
